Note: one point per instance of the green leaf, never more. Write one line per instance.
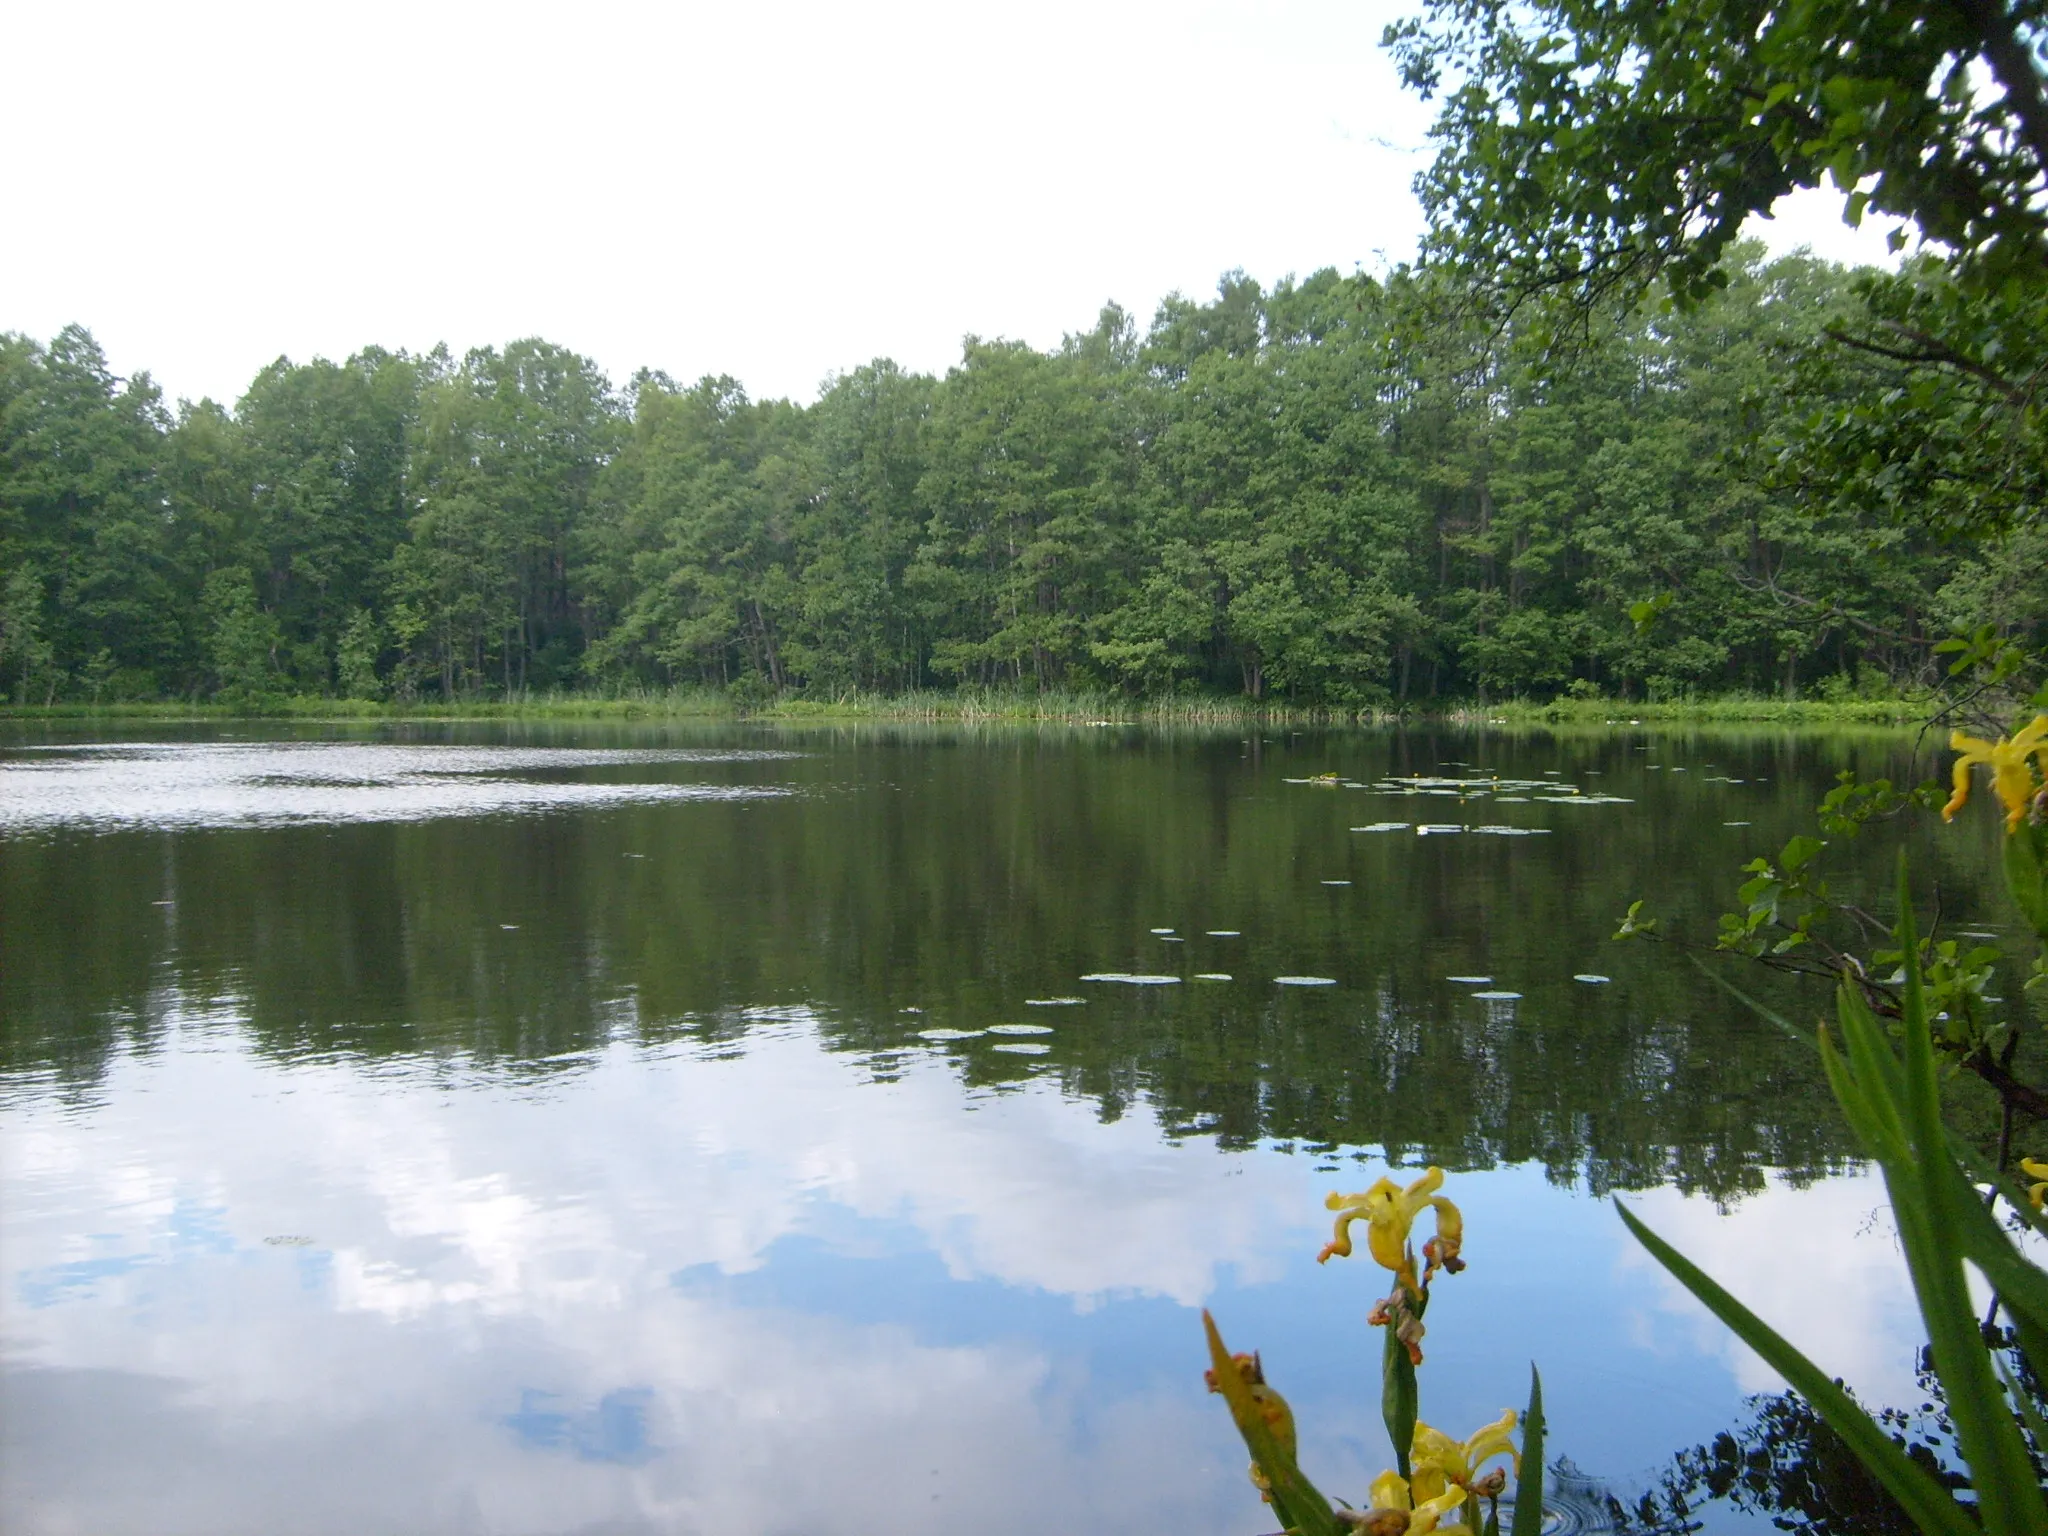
(2026, 874)
(1400, 1399)
(1936, 1209)
(1529, 1478)
(1300, 1507)
(1800, 852)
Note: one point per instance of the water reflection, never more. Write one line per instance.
(669, 1163)
(182, 785)
(751, 1292)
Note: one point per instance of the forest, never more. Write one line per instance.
(1351, 492)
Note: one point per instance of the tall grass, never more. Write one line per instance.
(981, 706)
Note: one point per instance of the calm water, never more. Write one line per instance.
(558, 1131)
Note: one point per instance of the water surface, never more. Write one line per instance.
(658, 1130)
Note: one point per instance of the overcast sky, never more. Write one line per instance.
(770, 190)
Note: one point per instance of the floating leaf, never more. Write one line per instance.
(1497, 997)
(1471, 981)
(1223, 933)
(1591, 980)
(1133, 980)
(1212, 976)
(1336, 882)
(1022, 1048)
(1054, 1002)
(1020, 1029)
(950, 1034)
(1162, 930)
(1384, 826)
(1305, 981)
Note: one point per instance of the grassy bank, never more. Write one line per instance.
(1725, 711)
(972, 706)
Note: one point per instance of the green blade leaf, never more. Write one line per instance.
(1924, 1500)
(1529, 1478)
(1301, 1508)
(1936, 1209)
(1400, 1401)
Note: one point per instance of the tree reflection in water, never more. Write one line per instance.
(1786, 1465)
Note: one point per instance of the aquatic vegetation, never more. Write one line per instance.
(1438, 1482)
(1889, 1092)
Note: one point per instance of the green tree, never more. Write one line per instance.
(241, 639)
(325, 449)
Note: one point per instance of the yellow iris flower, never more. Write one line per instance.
(2007, 759)
(1389, 1212)
(1392, 1498)
(1441, 1463)
(2035, 1170)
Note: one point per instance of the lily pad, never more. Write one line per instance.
(1497, 997)
(1471, 981)
(1131, 978)
(1224, 933)
(1336, 882)
(1162, 930)
(1212, 976)
(1305, 981)
(951, 1034)
(1020, 1029)
(1171, 938)
(1054, 1002)
(1436, 831)
(1016, 1048)
(1384, 826)
(1592, 980)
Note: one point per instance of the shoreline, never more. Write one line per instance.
(1019, 709)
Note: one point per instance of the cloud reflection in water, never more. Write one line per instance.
(759, 1292)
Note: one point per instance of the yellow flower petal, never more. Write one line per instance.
(1389, 1491)
(2035, 1170)
(2012, 762)
(1429, 1511)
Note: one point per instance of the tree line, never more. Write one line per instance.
(1342, 490)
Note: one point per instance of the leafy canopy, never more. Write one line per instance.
(1588, 148)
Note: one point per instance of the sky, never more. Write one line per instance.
(774, 191)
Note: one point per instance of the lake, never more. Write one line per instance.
(644, 1128)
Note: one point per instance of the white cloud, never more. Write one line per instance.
(1821, 1265)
